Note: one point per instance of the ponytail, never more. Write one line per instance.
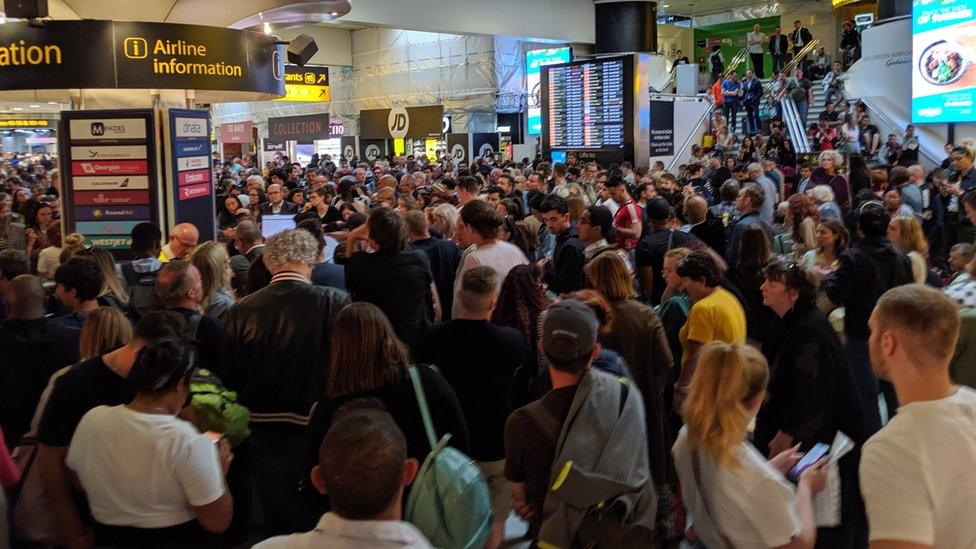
(726, 379)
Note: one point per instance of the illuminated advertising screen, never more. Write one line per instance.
(535, 59)
(943, 61)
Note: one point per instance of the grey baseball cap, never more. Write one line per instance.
(569, 331)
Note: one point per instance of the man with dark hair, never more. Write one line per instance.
(97, 381)
(558, 185)
(627, 224)
(608, 420)
(282, 333)
(870, 267)
(649, 255)
(443, 256)
(751, 198)
(564, 271)
(31, 349)
(547, 240)
(140, 273)
(250, 243)
(596, 231)
(494, 195)
(961, 180)
(79, 281)
(395, 278)
(467, 190)
(13, 263)
(363, 467)
(479, 360)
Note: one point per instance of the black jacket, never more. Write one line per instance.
(30, 351)
(803, 33)
(274, 349)
(564, 273)
(812, 393)
(778, 44)
(287, 207)
(869, 268)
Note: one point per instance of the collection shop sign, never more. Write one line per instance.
(124, 54)
(402, 122)
(299, 128)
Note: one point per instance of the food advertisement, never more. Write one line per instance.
(943, 61)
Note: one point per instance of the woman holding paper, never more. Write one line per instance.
(812, 395)
(736, 498)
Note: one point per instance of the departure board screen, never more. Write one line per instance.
(586, 106)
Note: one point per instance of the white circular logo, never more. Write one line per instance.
(399, 122)
(457, 152)
(348, 153)
(276, 65)
(445, 124)
(486, 150)
(372, 152)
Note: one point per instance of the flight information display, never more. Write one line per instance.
(586, 108)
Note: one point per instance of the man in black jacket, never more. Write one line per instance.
(800, 36)
(274, 352)
(869, 268)
(277, 204)
(778, 45)
(250, 244)
(564, 272)
(31, 349)
(443, 254)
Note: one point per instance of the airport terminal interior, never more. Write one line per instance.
(554, 274)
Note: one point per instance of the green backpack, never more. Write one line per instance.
(217, 409)
(449, 501)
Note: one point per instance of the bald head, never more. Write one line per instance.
(183, 239)
(25, 297)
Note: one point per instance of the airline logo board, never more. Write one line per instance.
(110, 167)
(118, 152)
(110, 182)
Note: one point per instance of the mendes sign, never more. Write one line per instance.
(123, 54)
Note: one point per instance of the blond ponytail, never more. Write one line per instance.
(727, 377)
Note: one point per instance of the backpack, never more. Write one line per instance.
(449, 501)
(142, 290)
(215, 407)
(603, 526)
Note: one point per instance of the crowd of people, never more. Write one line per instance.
(627, 356)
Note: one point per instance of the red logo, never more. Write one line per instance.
(194, 191)
(110, 198)
(195, 176)
(110, 167)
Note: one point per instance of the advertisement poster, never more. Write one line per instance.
(534, 59)
(662, 128)
(943, 61)
(110, 183)
(731, 37)
(190, 179)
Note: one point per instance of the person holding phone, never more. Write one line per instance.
(962, 179)
(734, 496)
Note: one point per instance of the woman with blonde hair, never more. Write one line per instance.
(734, 496)
(105, 330)
(113, 292)
(638, 336)
(444, 219)
(210, 258)
(905, 232)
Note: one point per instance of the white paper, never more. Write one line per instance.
(826, 504)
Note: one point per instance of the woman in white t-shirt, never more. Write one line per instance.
(151, 478)
(734, 496)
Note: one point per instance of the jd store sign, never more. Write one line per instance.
(401, 122)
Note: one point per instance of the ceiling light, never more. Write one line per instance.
(35, 106)
(267, 28)
(334, 14)
(52, 102)
(17, 108)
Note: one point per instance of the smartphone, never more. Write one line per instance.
(213, 436)
(818, 451)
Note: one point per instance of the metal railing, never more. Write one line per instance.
(791, 66)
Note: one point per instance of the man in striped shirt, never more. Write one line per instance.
(627, 220)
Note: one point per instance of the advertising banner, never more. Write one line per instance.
(371, 149)
(484, 145)
(189, 180)
(400, 122)
(129, 54)
(731, 37)
(110, 178)
(237, 132)
(299, 128)
(944, 61)
(534, 60)
(458, 147)
(662, 128)
(348, 147)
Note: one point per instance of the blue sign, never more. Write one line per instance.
(534, 59)
(943, 61)
(192, 147)
(111, 213)
(121, 228)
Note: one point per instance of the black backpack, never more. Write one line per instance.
(142, 290)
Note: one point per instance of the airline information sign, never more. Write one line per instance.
(111, 183)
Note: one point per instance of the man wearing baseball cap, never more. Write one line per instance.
(651, 249)
(607, 420)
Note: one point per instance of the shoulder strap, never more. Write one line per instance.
(418, 389)
(193, 325)
(670, 239)
(544, 420)
(696, 469)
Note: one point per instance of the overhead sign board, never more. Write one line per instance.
(308, 83)
(27, 123)
(129, 54)
(236, 132)
(400, 122)
(299, 128)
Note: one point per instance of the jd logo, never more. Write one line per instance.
(348, 153)
(486, 150)
(399, 122)
(97, 128)
(457, 152)
(372, 152)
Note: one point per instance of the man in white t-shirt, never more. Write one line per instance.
(917, 472)
(755, 41)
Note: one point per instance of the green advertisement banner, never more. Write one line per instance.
(731, 37)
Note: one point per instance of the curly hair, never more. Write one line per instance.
(520, 301)
(291, 246)
(801, 207)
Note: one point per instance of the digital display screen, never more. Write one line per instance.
(943, 61)
(534, 60)
(586, 105)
